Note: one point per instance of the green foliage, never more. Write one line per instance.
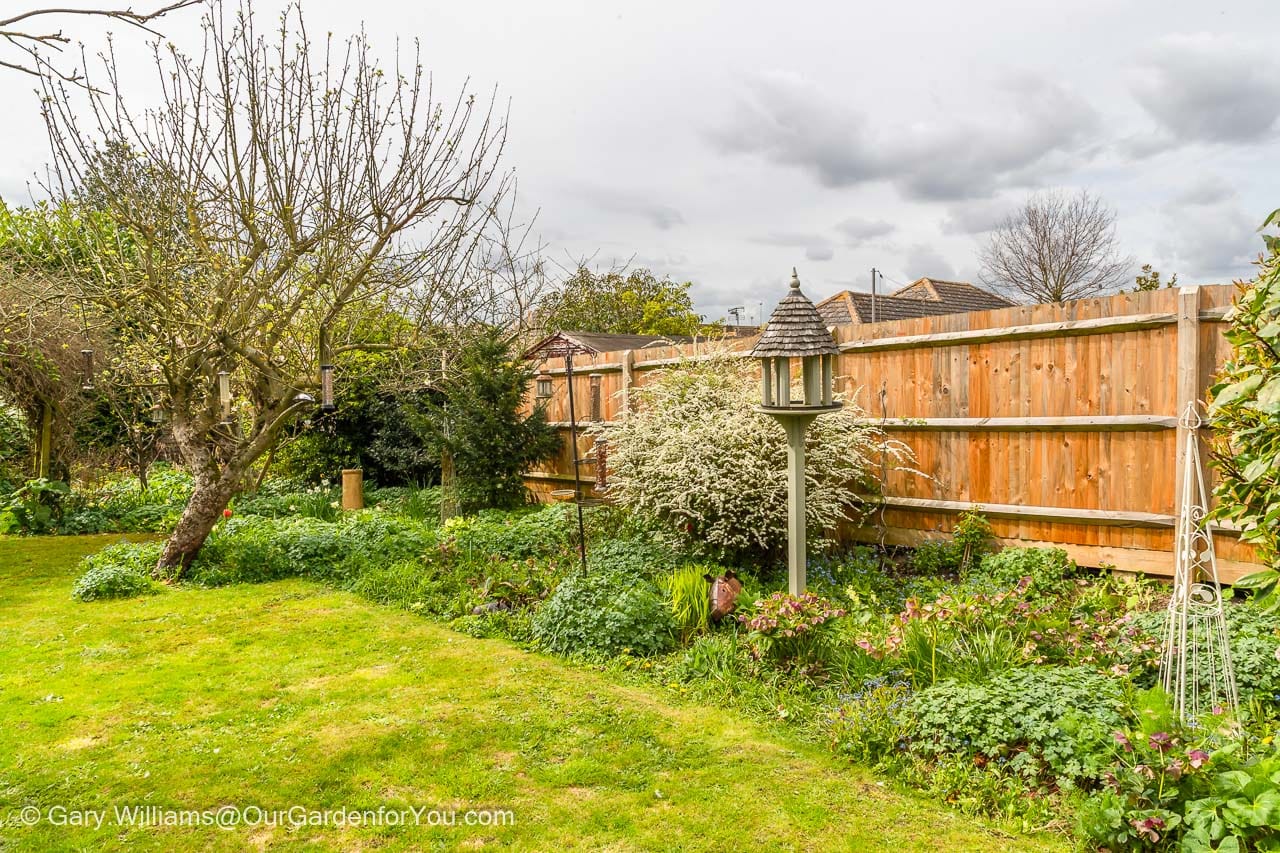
(477, 417)
(121, 505)
(251, 549)
(637, 303)
(1050, 571)
(634, 556)
(856, 581)
(15, 445)
(1245, 415)
(604, 614)
(690, 600)
(1149, 279)
(794, 631)
(1255, 651)
(873, 723)
(35, 507)
(973, 536)
(541, 532)
(369, 430)
(418, 504)
(937, 558)
(718, 659)
(961, 635)
(1041, 722)
(118, 571)
(1208, 787)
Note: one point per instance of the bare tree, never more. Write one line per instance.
(26, 33)
(280, 192)
(1058, 247)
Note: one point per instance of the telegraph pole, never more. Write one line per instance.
(873, 294)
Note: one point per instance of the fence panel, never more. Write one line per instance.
(1059, 420)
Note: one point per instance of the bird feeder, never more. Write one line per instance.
(796, 333)
(326, 389)
(156, 414)
(326, 374)
(86, 366)
(224, 395)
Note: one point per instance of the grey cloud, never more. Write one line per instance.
(1205, 191)
(786, 120)
(1214, 240)
(817, 247)
(661, 216)
(858, 231)
(924, 259)
(976, 217)
(1204, 88)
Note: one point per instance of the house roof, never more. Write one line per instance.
(924, 297)
(560, 343)
(795, 329)
(957, 294)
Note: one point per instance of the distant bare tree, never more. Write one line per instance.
(26, 32)
(1058, 247)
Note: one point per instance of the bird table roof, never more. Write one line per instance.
(796, 328)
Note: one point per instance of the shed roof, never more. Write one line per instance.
(795, 328)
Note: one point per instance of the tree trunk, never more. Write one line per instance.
(208, 499)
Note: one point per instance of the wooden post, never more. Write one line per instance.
(796, 426)
(628, 378)
(1188, 380)
(44, 441)
(352, 488)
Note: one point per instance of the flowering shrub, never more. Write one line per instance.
(696, 457)
(792, 629)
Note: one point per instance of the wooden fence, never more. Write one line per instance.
(1060, 421)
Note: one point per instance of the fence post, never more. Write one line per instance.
(1189, 388)
(352, 488)
(628, 378)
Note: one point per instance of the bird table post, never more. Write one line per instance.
(796, 331)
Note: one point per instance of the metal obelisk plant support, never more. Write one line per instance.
(1196, 663)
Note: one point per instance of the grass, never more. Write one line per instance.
(291, 694)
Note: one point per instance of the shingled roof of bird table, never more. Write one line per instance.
(795, 329)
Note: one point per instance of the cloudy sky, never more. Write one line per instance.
(725, 142)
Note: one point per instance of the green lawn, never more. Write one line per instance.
(291, 694)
